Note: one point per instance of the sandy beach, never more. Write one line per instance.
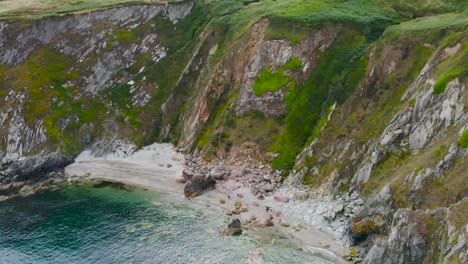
(156, 166)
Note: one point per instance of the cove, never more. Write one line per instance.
(115, 223)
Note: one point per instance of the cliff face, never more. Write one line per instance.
(362, 113)
(69, 81)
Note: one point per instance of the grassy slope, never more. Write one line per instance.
(41, 8)
(293, 19)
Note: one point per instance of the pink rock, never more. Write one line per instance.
(281, 199)
(180, 179)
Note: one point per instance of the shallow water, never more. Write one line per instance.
(120, 224)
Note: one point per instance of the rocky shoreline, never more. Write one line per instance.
(249, 194)
(252, 194)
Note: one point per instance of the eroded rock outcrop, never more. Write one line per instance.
(198, 185)
(235, 227)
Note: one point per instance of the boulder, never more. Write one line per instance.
(181, 179)
(218, 173)
(268, 187)
(235, 227)
(268, 222)
(197, 185)
(188, 174)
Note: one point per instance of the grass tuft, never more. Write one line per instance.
(268, 81)
(463, 142)
(444, 79)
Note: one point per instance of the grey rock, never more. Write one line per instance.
(188, 173)
(217, 174)
(363, 173)
(268, 187)
(359, 201)
(234, 228)
(403, 239)
(198, 185)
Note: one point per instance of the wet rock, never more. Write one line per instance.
(198, 185)
(234, 228)
(27, 190)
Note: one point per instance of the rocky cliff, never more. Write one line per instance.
(362, 105)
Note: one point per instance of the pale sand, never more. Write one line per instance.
(148, 168)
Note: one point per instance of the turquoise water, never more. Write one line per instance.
(120, 224)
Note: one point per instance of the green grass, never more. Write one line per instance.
(384, 170)
(444, 79)
(463, 142)
(41, 8)
(371, 16)
(125, 36)
(335, 77)
(426, 7)
(273, 81)
(43, 76)
(427, 27)
(279, 29)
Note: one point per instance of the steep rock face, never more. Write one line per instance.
(220, 77)
(17, 46)
(416, 126)
(274, 54)
(84, 58)
(401, 153)
(20, 138)
(402, 238)
(411, 238)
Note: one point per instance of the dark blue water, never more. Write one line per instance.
(119, 224)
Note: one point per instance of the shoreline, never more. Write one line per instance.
(156, 167)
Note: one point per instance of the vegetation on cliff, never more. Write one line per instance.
(323, 118)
